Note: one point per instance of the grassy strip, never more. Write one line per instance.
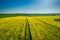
(14, 15)
(27, 31)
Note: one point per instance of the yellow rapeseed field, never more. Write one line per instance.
(30, 28)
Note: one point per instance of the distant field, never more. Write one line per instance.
(29, 27)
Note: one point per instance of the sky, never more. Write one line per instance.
(29, 6)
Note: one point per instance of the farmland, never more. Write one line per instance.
(30, 28)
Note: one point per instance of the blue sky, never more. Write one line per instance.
(29, 6)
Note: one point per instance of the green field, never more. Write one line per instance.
(29, 27)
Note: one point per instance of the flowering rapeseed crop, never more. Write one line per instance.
(30, 28)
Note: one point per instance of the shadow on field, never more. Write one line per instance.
(58, 19)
